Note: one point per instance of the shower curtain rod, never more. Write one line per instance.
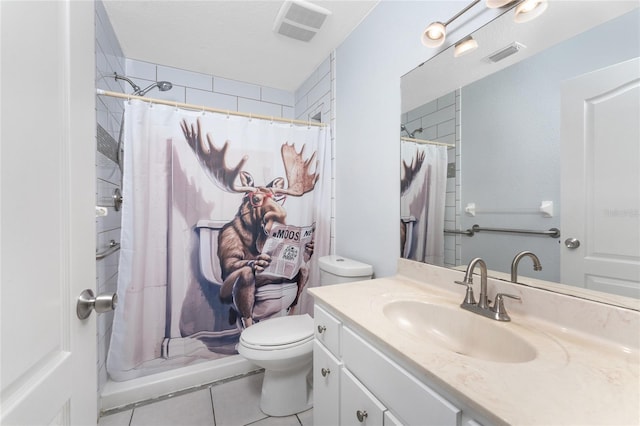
(205, 108)
(426, 142)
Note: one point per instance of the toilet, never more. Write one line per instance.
(283, 346)
(336, 269)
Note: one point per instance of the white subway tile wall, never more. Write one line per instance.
(440, 121)
(109, 60)
(211, 91)
(315, 101)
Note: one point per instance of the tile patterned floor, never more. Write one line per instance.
(234, 403)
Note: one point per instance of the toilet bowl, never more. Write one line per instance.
(283, 346)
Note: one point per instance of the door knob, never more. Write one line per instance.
(361, 415)
(572, 243)
(87, 301)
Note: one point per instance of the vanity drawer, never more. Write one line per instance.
(416, 404)
(358, 406)
(327, 329)
(326, 387)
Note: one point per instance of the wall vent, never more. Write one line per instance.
(505, 52)
(300, 19)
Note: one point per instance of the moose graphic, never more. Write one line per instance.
(241, 241)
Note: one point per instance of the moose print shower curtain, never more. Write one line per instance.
(223, 221)
(423, 186)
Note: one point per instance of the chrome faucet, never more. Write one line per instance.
(483, 306)
(537, 266)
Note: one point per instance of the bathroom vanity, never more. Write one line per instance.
(401, 351)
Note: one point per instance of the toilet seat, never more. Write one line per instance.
(278, 333)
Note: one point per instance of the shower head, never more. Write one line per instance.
(163, 86)
(412, 135)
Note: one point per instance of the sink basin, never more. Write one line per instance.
(459, 331)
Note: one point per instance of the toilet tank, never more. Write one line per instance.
(337, 269)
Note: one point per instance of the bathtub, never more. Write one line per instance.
(118, 396)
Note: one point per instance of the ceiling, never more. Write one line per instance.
(229, 38)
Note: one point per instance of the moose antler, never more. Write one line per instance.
(410, 171)
(212, 159)
(300, 181)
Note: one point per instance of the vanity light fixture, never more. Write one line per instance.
(436, 32)
(529, 10)
(464, 46)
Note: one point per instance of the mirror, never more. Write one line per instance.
(505, 165)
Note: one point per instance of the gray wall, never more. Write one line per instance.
(511, 143)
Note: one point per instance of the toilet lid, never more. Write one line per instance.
(279, 331)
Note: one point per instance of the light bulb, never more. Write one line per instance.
(434, 34)
(529, 10)
(468, 44)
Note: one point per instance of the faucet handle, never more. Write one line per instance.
(498, 306)
(469, 298)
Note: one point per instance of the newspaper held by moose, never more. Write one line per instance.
(286, 245)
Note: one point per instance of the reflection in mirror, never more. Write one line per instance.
(517, 130)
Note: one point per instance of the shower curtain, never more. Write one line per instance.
(422, 202)
(190, 177)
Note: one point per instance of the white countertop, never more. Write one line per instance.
(577, 377)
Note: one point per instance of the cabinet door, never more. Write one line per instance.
(412, 401)
(326, 387)
(327, 329)
(358, 406)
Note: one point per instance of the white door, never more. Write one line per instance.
(601, 180)
(47, 225)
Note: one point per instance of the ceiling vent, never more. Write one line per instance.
(300, 19)
(505, 52)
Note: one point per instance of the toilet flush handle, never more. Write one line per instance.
(321, 329)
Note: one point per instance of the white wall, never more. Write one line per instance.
(369, 64)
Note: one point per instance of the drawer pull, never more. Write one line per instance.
(325, 372)
(321, 329)
(361, 415)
